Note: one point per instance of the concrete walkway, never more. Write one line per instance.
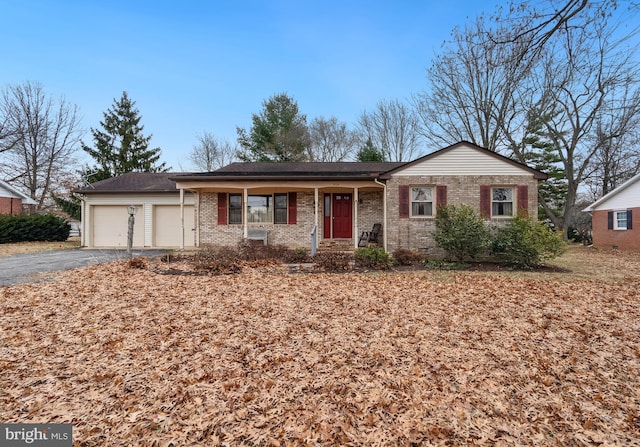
(29, 267)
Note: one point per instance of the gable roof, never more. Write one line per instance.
(345, 170)
(611, 194)
(133, 182)
(536, 174)
(6, 190)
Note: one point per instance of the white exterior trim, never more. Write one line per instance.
(460, 161)
(624, 196)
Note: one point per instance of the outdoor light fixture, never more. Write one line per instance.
(132, 212)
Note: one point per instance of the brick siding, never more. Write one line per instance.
(417, 233)
(621, 239)
(10, 205)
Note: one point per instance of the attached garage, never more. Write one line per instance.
(167, 226)
(111, 225)
(164, 218)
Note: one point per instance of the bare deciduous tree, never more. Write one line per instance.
(474, 91)
(331, 140)
(394, 128)
(44, 137)
(495, 91)
(211, 153)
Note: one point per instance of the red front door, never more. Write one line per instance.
(342, 211)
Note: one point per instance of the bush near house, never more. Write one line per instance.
(521, 242)
(33, 227)
(526, 243)
(461, 232)
(373, 257)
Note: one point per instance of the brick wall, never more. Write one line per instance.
(291, 235)
(416, 233)
(622, 239)
(9, 205)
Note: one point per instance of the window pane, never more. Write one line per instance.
(235, 208)
(259, 209)
(281, 201)
(502, 209)
(280, 215)
(621, 220)
(421, 194)
(421, 209)
(502, 194)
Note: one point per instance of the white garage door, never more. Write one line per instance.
(166, 226)
(110, 225)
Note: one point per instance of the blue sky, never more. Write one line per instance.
(195, 66)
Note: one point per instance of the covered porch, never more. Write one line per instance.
(296, 214)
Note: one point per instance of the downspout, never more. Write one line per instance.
(384, 211)
(355, 220)
(245, 198)
(182, 219)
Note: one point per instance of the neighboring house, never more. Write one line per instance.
(301, 204)
(612, 217)
(12, 200)
(158, 218)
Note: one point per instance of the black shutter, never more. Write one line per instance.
(629, 220)
(610, 220)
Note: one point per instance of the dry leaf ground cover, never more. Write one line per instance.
(265, 357)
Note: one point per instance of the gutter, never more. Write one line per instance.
(384, 211)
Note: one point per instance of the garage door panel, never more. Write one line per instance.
(167, 226)
(110, 226)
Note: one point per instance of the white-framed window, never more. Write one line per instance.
(502, 201)
(267, 208)
(620, 220)
(422, 201)
(235, 208)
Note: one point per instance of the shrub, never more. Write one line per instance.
(526, 243)
(461, 232)
(403, 256)
(295, 256)
(137, 263)
(333, 262)
(218, 260)
(373, 257)
(33, 227)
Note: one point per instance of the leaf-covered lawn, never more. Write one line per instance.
(138, 357)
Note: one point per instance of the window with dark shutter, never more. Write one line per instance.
(485, 200)
(222, 208)
(441, 195)
(523, 199)
(403, 191)
(610, 220)
(293, 208)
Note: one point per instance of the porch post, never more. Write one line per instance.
(245, 198)
(315, 201)
(181, 219)
(355, 217)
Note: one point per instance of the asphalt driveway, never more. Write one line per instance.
(30, 267)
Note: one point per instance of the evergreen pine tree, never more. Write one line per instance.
(368, 152)
(120, 146)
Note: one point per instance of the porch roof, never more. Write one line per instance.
(293, 171)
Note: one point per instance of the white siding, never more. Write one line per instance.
(104, 214)
(463, 160)
(627, 198)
